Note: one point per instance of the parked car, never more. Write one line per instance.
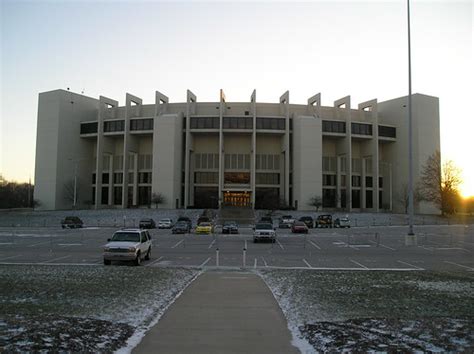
(204, 228)
(267, 219)
(71, 222)
(324, 221)
(203, 218)
(286, 221)
(308, 220)
(128, 245)
(187, 220)
(181, 227)
(165, 224)
(147, 224)
(230, 227)
(342, 222)
(264, 231)
(299, 227)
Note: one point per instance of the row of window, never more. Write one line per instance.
(237, 161)
(239, 123)
(361, 128)
(331, 198)
(331, 126)
(203, 161)
(143, 178)
(267, 162)
(330, 181)
(236, 178)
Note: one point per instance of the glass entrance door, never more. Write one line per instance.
(238, 199)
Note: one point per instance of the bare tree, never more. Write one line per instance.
(69, 192)
(157, 199)
(316, 202)
(440, 183)
(403, 196)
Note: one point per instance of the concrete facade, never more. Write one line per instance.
(211, 154)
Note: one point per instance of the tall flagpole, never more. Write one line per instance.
(410, 135)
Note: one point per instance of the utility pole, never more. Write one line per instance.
(411, 239)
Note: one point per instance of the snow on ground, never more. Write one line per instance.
(376, 311)
(72, 308)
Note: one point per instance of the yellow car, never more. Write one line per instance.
(204, 228)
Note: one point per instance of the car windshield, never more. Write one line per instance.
(126, 237)
(230, 223)
(205, 224)
(145, 220)
(299, 223)
(263, 227)
(165, 220)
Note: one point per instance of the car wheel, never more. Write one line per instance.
(137, 260)
(107, 262)
(148, 254)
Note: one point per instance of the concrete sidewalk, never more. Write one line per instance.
(221, 312)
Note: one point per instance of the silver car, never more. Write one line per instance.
(128, 245)
(264, 231)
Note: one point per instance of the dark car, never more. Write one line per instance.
(203, 218)
(71, 222)
(230, 227)
(186, 220)
(308, 220)
(181, 227)
(324, 221)
(266, 219)
(299, 227)
(147, 224)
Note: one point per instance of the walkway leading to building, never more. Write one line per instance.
(241, 215)
(221, 312)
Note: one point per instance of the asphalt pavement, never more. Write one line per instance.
(221, 312)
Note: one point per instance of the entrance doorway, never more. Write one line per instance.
(237, 199)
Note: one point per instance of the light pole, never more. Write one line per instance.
(411, 235)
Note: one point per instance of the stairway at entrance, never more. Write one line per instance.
(241, 215)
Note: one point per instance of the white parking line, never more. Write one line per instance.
(315, 245)
(6, 243)
(177, 244)
(390, 248)
(155, 261)
(56, 259)
(39, 243)
(69, 244)
(459, 265)
(2, 259)
(279, 244)
(213, 241)
(264, 262)
(306, 262)
(205, 262)
(255, 263)
(360, 265)
(410, 265)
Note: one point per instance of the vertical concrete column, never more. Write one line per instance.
(191, 179)
(104, 104)
(111, 180)
(135, 178)
(371, 106)
(253, 109)
(190, 109)
(362, 182)
(128, 145)
(338, 181)
(161, 108)
(285, 111)
(222, 107)
(345, 103)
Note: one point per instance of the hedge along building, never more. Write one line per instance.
(213, 154)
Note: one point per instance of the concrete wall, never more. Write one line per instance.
(60, 148)
(307, 162)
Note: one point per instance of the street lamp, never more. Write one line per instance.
(411, 235)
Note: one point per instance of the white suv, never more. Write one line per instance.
(264, 231)
(128, 245)
(165, 224)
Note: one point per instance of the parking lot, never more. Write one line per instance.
(442, 247)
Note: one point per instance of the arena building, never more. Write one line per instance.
(93, 153)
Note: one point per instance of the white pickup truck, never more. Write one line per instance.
(128, 245)
(264, 231)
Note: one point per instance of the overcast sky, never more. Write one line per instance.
(337, 48)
